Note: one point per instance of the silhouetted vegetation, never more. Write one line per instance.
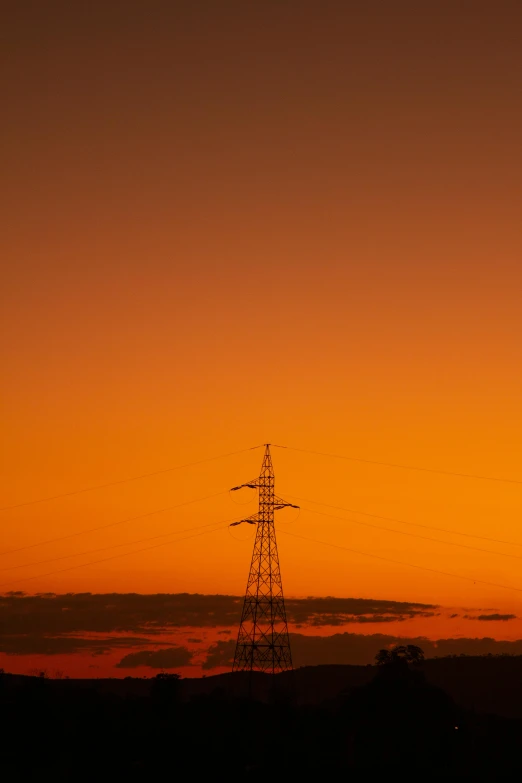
(402, 716)
(400, 654)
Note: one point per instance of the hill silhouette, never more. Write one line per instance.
(453, 716)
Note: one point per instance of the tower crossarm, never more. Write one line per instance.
(280, 503)
(251, 484)
(249, 520)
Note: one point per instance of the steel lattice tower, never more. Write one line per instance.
(263, 643)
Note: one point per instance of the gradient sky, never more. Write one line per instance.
(231, 223)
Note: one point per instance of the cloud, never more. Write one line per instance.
(170, 658)
(121, 612)
(338, 611)
(220, 654)
(41, 644)
(50, 624)
(359, 649)
(153, 614)
(340, 619)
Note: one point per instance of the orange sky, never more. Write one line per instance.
(226, 224)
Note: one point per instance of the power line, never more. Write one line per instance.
(403, 522)
(112, 557)
(112, 524)
(413, 535)
(404, 467)
(116, 546)
(125, 480)
(399, 562)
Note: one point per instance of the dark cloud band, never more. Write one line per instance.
(153, 614)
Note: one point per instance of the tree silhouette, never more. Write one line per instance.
(404, 654)
(398, 720)
(165, 690)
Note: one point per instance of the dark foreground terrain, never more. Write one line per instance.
(460, 718)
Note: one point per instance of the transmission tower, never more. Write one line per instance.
(263, 643)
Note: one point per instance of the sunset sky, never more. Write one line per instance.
(229, 223)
